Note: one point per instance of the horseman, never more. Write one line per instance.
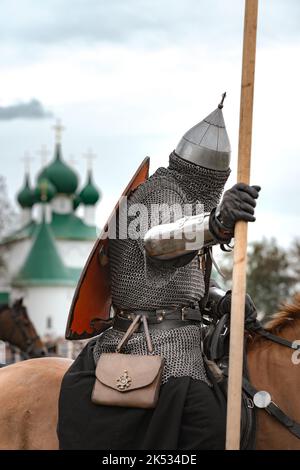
(160, 284)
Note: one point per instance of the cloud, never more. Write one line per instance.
(31, 110)
(147, 23)
(143, 21)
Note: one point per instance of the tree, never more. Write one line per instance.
(7, 213)
(270, 278)
(294, 256)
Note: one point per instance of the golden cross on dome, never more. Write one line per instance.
(58, 128)
(27, 159)
(90, 156)
(43, 153)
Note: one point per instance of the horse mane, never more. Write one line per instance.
(289, 312)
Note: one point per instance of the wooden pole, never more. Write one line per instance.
(240, 233)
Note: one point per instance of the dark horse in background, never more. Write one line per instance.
(17, 329)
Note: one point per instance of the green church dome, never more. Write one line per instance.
(76, 201)
(26, 197)
(42, 174)
(45, 190)
(61, 175)
(89, 195)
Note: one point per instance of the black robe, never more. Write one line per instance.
(189, 415)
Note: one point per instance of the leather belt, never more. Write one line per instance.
(158, 319)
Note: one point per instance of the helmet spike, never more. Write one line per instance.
(220, 105)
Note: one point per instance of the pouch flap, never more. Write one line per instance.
(125, 372)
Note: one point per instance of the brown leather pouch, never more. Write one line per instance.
(128, 380)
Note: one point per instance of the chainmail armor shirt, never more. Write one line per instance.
(137, 282)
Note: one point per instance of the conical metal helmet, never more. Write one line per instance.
(207, 143)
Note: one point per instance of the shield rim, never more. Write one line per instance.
(140, 176)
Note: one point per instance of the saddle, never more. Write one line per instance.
(216, 354)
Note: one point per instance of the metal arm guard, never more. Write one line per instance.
(188, 234)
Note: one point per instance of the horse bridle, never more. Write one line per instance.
(263, 399)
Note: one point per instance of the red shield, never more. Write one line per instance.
(90, 309)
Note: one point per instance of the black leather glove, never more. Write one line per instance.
(238, 203)
(224, 306)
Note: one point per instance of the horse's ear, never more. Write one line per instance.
(19, 302)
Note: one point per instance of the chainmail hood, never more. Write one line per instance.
(199, 183)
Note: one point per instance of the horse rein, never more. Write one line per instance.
(274, 338)
(262, 399)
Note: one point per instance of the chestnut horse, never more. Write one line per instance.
(17, 329)
(276, 369)
(29, 390)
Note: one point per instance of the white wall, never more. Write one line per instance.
(89, 215)
(74, 253)
(43, 302)
(62, 204)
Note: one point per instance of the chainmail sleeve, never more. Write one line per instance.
(138, 281)
(164, 204)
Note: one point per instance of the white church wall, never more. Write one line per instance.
(62, 204)
(89, 215)
(48, 307)
(74, 253)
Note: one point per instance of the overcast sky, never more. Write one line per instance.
(129, 77)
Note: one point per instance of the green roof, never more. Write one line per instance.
(71, 227)
(89, 195)
(42, 174)
(76, 201)
(26, 197)
(63, 226)
(4, 298)
(60, 174)
(43, 265)
(45, 190)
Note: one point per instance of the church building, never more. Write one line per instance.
(44, 257)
